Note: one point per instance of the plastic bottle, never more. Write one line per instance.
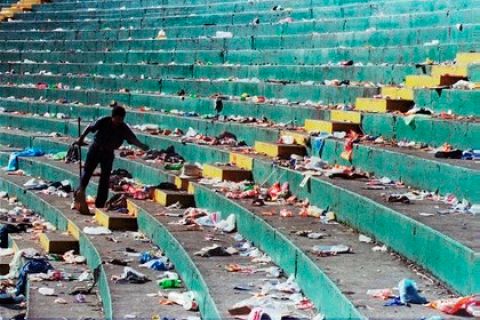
(170, 283)
(185, 299)
(174, 166)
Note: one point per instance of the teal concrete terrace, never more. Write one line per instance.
(227, 159)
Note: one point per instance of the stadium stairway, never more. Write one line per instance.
(273, 233)
(368, 110)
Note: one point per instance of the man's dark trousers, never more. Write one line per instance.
(98, 155)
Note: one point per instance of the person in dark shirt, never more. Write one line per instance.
(110, 132)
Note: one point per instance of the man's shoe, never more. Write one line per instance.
(80, 203)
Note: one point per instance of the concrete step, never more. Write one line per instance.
(445, 80)
(383, 105)
(156, 210)
(201, 87)
(350, 272)
(331, 126)
(216, 278)
(428, 18)
(450, 169)
(390, 54)
(117, 297)
(345, 116)
(193, 153)
(279, 150)
(380, 38)
(170, 197)
(398, 93)
(39, 305)
(115, 220)
(226, 173)
(58, 243)
(293, 73)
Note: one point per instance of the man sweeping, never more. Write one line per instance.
(110, 133)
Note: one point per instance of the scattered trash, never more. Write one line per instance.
(185, 299)
(474, 209)
(365, 239)
(409, 292)
(215, 251)
(80, 298)
(96, 230)
(380, 249)
(84, 276)
(310, 234)
(426, 214)
(161, 264)
(471, 155)
(325, 251)
(130, 275)
(162, 35)
(469, 305)
(464, 85)
(212, 220)
(46, 291)
(71, 258)
(223, 35)
(383, 294)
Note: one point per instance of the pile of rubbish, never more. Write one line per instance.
(28, 264)
(226, 138)
(59, 188)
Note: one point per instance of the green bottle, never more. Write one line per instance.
(170, 283)
(174, 166)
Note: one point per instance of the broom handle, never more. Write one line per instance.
(79, 147)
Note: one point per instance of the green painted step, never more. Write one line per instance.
(462, 179)
(272, 240)
(376, 73)
(275, 234)
(184, 266)
(13, 185)
(236, 5)
(459, 102)
(358, 9)
(220, 282)
(408, 54)
(435, 18)
(295, 92)
(417, 169)
(337, 304)
(309, 41)
(202, 106)
(248, 133)
(195, 2)
(435, 132)
(474, 73)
